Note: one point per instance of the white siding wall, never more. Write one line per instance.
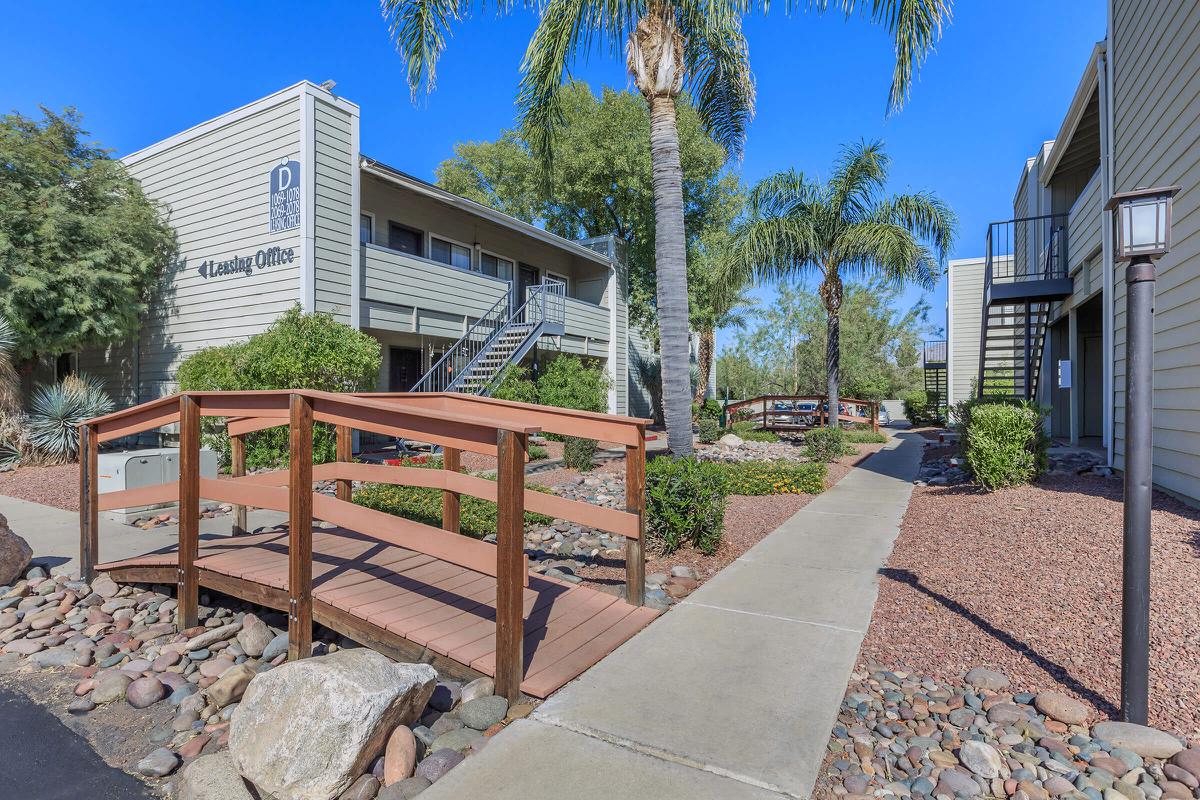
(213, 183)
(964, 312)
(1155, 52)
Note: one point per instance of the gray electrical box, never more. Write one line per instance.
(133, 469)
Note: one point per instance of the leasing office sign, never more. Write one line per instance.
(285, 196)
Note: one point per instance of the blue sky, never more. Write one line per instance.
(997, 86)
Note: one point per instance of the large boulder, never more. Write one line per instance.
(1146, 742)
(212, 777)
(15, 554)
(306, 730)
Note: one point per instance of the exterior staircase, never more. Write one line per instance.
(935, 366)
(499, 338)
(1025, 274)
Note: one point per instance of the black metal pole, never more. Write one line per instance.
(1139, 423)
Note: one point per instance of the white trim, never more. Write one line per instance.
(1107, 345)
(387, 173)
(480, 250)
(950, 332)
(370, 214)
(356, 265)
(430, 236)
(308, 223)
(612, 337)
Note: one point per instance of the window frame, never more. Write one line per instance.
(369, 215)
(473, 267)
(421, 235)
(512, 264)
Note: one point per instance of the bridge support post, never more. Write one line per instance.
(343, 489)
(300, 507)
(451, 501)
(237, 468)
(510, 564)
(635, 503)
(189, 511)
(89, 512)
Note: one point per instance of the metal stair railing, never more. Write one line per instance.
(543, 312)
(447, 373)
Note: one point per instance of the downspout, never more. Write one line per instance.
(1104, 87)
(614, 302)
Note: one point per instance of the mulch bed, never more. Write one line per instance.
(1028, 581)
(52, 486)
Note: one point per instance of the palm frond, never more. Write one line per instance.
(717, 61)
(419, 28)
(915, 26)
(770, 249)
(886, 249)
(859, 175)
(925, 214)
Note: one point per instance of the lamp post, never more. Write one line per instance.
(1143, 233)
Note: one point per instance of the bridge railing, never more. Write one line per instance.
(456, 422)
(802, 412)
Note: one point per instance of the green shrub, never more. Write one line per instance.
(759, 436)
(826, 444)
(537, 453)
(865, 437)
(921, 410)
(1005, 445)
(757, 478)
(515, 384)
(477, 518)
(298, 351)
(579, 453)
(709, 409)
(710, 430)
(569, 382)
(685, 504)
(55, 412)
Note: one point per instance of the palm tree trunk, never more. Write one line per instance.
(831, 295)
(670, 255)
(705, 357)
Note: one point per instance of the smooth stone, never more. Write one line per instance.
(955, 781)
(1005, 714)
(438, 763)
(1146, 742)
(81, 705)
(399, 755)
(981, 758)
(230, 687)
(445, 724)
(145, 692)
(254, 636)
(1061, 707)
(483, 712)
(158, 763)
(212, 777)
(445, 695)
(24, 647)
(275, 648)
(405, 789)
(55, 657)
(1189, 760)
(365, 788)
(458, 740)
(984, 678)
(182, 693)
(111, 687)
(480, 687)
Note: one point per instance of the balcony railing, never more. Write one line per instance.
(1026, 259)
(935, 353)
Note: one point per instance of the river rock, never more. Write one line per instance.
(307, 729)
(212, 777)
(1189, 760)
(406, 789)
(144, 692)
(984, 678)
(159, 763)
(480, 687)
(277, 647)
(438, 763)
(483, 712)
(231, 685)
(15, 554)
(399, 755)
(981, 758)
(24, 647)
(204, 640)
(254, 636)
(1146, 742)
(1061, 707)
(365, 788)
(111, 687)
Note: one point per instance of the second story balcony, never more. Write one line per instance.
(1027, 260)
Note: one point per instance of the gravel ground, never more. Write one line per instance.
(1028, 581)
(51, 486)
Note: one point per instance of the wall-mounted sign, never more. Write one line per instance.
(246, 265)
(285, 196)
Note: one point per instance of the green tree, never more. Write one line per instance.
(601, 180)
(668, 44)
(719, 300)
(80, 244)
(845, 226)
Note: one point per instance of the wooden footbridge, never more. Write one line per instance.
(787, 412)
(409, 590)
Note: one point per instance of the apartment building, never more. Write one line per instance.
(274, 205)
(1043, 311)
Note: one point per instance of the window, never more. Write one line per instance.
(405, 239)
(366, 229)
(450, 253)
(495, 266)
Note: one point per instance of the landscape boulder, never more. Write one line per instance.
(1146, 742)
(307, 729)
(15, 554)
(212, 777)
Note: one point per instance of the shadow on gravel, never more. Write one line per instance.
(1056, 670)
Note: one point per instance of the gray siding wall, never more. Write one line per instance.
(1155, 53)
(213, 183)
(334, 160)
(965, 316)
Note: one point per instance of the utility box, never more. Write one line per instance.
(133, 469)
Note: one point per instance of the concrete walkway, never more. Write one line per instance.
(54, 533)
(732, 694)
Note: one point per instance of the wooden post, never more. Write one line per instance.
(875, 417)
(189, 511)
(89, 515)
(510, 563)
(345, 453)
(635, 503)
(451, 501)
(300, 506)
(237, 454)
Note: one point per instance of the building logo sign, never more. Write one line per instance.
(247, 265)
(285, 196)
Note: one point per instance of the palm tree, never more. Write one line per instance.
(719, 300)
(668, 44)
(845, 227)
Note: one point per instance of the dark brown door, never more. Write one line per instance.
(526, 276)
(404, 368)
(405, 239)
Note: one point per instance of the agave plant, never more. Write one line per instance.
(56, 411)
